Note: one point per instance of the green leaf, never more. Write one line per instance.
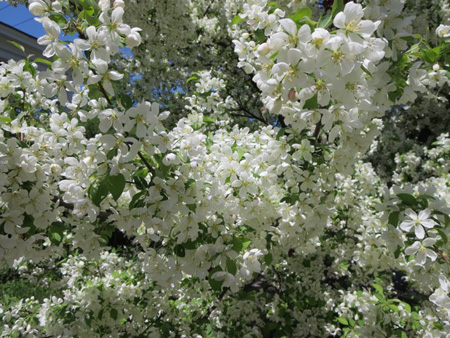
(274, 55)
(140, 182)
(192, 78)
(260, 37)
(89, 15)
(18, 45)
(425, 196)
(396, 94)
(138, 200)
(28, 222)
(446, 217)
(431, 55)
(394, 218)
(98, 192)
(115, 185)
(21, 115)
(4, 119)
(179, 250)
(112, 153)
(100, 314)
(378, 288)
(365, 70)
(342, 320)
(443, 236)
(216, 285)
(300, 14)
(162, 171)
(240, 244)
(236, 20)
(393, 307)
(311, 103)
(407, 307)
(400, 333)
(325, 21)
(408, 199)
(338, 6)
(241, 153)
(281, 133)
(94, 92)
(56, 232)
(208, 119)
(231, 266)
(59, 19)
(142, 172)
(41, 60)
(113, 313)
(189, 183)
(438, 325)
(352, 322)
(398, 251)
(190, 245)
(268, 259)
(192, 207)
(29, 68)
(88, 320)
(125, 101)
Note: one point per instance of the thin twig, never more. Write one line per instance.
(317, 130)
(207, 8)
(245, 110)
(105, 94)
(149, 167)
(213, 307)
(441, 254)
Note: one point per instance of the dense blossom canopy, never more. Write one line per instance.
(237, 168)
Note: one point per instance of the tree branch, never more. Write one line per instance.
(245, 110)
(208, 8)
(317, 131)
(149, 167)
(441, 254)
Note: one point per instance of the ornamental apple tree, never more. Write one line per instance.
(227, 169)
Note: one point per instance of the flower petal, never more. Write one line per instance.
(419, 231)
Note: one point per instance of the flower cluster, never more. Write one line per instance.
(251, 209)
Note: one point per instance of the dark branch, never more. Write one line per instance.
(149, 167)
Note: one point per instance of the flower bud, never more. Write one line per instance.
(104, 5)
(134, 38)
(119, 3)
(170, 159)
(443, 31)
(263, 49)
(37, 8)
(292, 95)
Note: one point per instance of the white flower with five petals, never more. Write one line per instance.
(418, 222)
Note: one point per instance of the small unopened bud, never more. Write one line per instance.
(170, 159)
(133, 39)
(104, 5)
(436, 67)
(275, 106)
(443, 31)
(119, 3)
(37, 8)
(292, 95)
(263, 49)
